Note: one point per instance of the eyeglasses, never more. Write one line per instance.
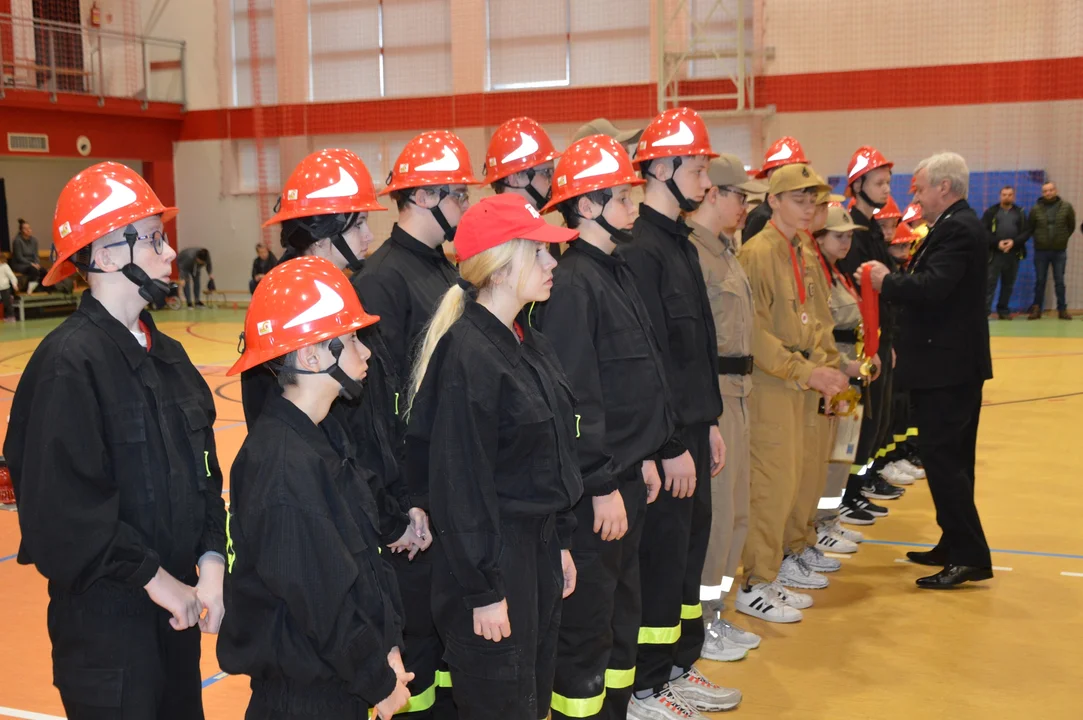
(546, 173)
(460, 196)
(741, 196)
(158, 240)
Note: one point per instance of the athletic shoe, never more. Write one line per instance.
(828, 540)
(835, 528)
(663, 705)
(796, 574)
(877, 488)
(814, 559)
(872, 508)
(851, 514)
(717, 648)
(764, 601)
(796, 600)
(704, 695)
(915, 460)
(894, 475)
(735, 635)
(918, 473)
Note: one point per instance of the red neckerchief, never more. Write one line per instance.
(798, 271)
(146, 333)
(518, 331)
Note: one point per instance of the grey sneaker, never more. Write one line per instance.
(704, 695)
(663, 705)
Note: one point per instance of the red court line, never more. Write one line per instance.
(189, 330)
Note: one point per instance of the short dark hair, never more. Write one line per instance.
(203, 254)
(569, 209)
(1007, 187)
(22, 222)
(283, 367)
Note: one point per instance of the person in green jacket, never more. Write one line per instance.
(1052, 222)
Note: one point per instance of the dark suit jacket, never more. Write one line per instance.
(943, 336)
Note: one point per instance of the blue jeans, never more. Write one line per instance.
(1042, 260)
(191, 282)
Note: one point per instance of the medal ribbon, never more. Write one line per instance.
(870, 312)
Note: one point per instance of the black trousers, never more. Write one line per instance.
(282, 699)
(1005, 268)
(6, 297)
(511, 679)
(118, 659)
(422, 652)
(671, 557)
(599, 627)
(875, 424)
(947, 421)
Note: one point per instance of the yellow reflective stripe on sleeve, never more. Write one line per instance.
(899, 438)
(443, 679)
(659, 636)
(230, 555)
(856, 469)
(578, 707)
(911, 432)
(619, 679)
(577, 419)
(421, 701)
(396, 403)
(691, 612)
(207, 461)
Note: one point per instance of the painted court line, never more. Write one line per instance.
(13, 713)
(1072, 574)
(214, 678)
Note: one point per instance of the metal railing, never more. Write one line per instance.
(56, 57)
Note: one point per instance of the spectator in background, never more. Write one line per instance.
(1052, 221)
(24, 256)
(190, 262)
(1006, 224)
(261, 265)
(8, 285)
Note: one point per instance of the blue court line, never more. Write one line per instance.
(1006, 552)
(8, 557)
(214, 678)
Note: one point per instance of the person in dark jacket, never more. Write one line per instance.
(403, 282)
(944, 360)
(261, 265)
(190, 264)
(1007, 229)
(112, 455)
(24, 256)
(673, 155)
(314, 615)
(600, 329)
(491, 457)
(1051, 224)
(869, 183)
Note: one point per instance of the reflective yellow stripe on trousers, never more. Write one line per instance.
(588, 707)
(659, 636)
(427, 698)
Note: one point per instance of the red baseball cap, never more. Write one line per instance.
(495, 220)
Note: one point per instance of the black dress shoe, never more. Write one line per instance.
(928, 557)
(953, 576)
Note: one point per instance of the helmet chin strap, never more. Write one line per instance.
(539, 199)
(685, 203)
(619, 236)
(438, 214)
(155, 292)
(351, 389)
(352, 261)
(861, 194)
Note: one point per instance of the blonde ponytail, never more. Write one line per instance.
(478, 271)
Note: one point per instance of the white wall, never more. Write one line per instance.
(32, 186)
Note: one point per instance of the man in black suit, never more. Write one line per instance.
(943, 359)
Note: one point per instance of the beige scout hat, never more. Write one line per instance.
(728, 171)
(796, 177)
(839, 220)
(601, 126)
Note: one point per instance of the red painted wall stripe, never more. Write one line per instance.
(1000, 82)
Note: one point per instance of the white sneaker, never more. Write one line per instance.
(834, 527)
(663, 705)
(895, 476)
(814, 559)
(911, 469)
(796, 574)
(716, 647)
(796, 600)
(704, 695)
(831, 542)
(735, 635)
(764, 601)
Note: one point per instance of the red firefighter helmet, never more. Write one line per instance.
(517, 145)
(97, 201)
(865, 160)
(904, 235)
(327, 182)
(785, 151)
(299, 303)
(678, 132)
(436, 157)
(593, 163)
(889, 211)
(912, 215)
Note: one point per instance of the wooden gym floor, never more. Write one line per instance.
(873, 647)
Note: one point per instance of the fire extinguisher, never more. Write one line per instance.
(95, 15)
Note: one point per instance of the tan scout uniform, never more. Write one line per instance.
(786, 333)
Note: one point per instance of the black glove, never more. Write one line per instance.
(211, 286)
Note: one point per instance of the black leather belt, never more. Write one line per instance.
(740, 365)
(846, 336)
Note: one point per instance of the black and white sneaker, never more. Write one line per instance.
(853, 515)
(860, 503)
(876, 488)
